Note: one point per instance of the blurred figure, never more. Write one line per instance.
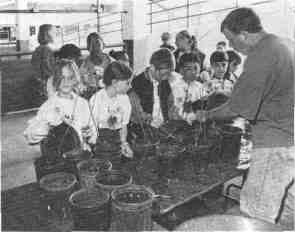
(166, 37)
(94, 65)
(221, 46)
(120, 56)
(43, 60)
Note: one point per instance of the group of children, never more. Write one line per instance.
(100, 96)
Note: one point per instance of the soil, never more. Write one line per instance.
(132, 197)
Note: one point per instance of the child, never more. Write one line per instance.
(71, 52)
(120, 56)
(189, 64)
(234, 60)
(221, 46)
(94, 65)
(64, 106)
(219, 65)
(43, 59)
(166, 41)
(112, 109)
(187, 43)
(155, 86)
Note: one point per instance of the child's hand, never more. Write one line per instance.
(126, 150)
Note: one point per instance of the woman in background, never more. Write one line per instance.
(94, 65)
(43, 60)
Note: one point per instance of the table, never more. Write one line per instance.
(24, 208)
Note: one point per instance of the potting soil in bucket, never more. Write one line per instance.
(58, 187)
(90, 209)
(88, 169)
(112, 179)
(231, 142)
(132, 208)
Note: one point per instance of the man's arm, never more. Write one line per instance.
(221, 112)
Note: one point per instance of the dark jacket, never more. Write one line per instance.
(143, 87)
(43, 62)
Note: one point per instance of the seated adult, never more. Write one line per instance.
(111, 110)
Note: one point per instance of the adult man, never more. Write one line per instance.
(264, 95)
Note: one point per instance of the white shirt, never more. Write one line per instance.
(157, 111)
(52, 112)
(112, 113)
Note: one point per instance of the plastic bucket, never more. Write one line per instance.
(132, 208)
(90, 209)
(112, 179)
(88, 169)
(231, 142)
(58, 187)
(44, 166)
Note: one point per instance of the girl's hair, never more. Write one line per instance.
(58, 77)
(161, 57)
(93, 37)
(218, 56)
(116, 71)
(192, 39)
(69, 51)
(43, 34)
(234, 56)
(118, 55)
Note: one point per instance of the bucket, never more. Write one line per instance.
(58, 187)
(132, 208)
(231, 142)
(112, 179)
(44, 166)
(73, 157)
(114, 157)
(201, 157)
(170, 159)
(88, 169)
(90, 209)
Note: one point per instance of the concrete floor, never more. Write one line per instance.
(16, 155)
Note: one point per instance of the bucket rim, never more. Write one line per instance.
(132, 206)
(104, 172)
(85, 190)
(56, 174)
(94, 160)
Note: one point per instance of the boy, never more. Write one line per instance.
(219, 83)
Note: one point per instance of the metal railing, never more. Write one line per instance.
(188, 11)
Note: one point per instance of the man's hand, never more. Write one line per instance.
(201, 115)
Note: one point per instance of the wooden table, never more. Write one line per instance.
(24, 207)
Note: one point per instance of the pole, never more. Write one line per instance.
(187, 13)
(98, 16)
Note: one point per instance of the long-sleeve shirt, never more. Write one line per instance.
(54, 110)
